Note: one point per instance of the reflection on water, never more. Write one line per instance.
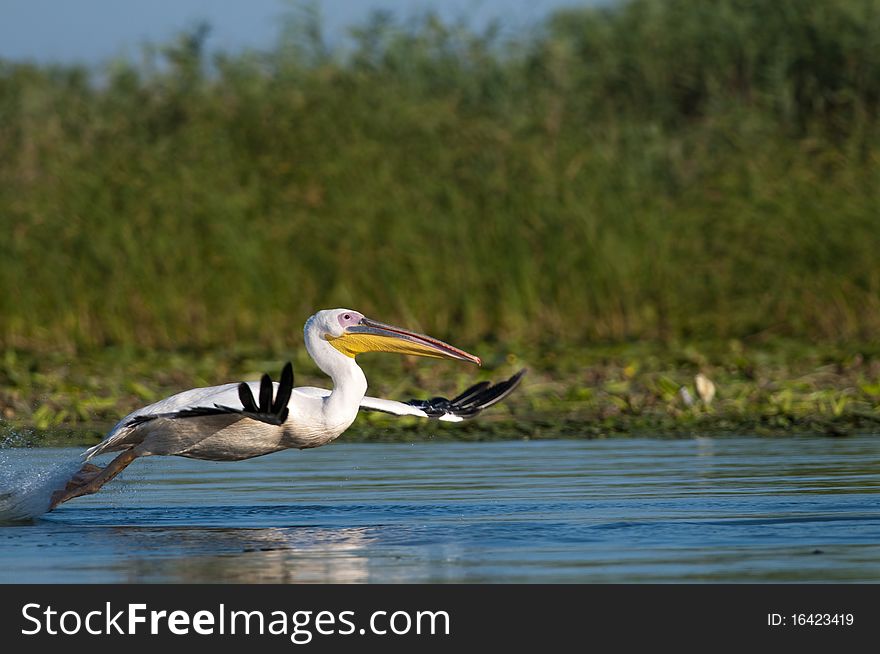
(737, 509)
(276, 555)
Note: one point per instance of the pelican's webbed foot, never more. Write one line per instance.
(91, 478)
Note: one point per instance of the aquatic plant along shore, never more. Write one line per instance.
(636, 389)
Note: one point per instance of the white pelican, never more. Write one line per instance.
(226, 423)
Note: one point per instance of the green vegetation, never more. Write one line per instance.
(778, 388)
(666, 172)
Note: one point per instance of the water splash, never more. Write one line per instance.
(27, 482)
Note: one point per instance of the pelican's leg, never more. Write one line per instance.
(90, 478)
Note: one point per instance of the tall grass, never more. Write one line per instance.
(653, 170)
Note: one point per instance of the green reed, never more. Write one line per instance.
(656, 170)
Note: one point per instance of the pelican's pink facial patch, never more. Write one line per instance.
(349, 318)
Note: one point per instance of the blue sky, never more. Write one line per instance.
(94, 31)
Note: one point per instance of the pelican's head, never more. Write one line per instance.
(350, 333)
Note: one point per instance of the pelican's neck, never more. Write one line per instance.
(349, 382)
(349, 388)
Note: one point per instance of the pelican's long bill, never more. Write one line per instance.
(372, 336)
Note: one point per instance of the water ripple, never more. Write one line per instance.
(737, 509)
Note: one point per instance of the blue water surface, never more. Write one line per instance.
(620, 510)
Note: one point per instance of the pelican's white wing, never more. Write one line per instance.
(233, 400)
(379, 404)
(466, 405)
(402, 409)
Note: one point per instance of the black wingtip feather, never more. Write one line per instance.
(501, 390)
(472, 401)
(246, 397)
(285, 389)
(470, 393)
(266, 394)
